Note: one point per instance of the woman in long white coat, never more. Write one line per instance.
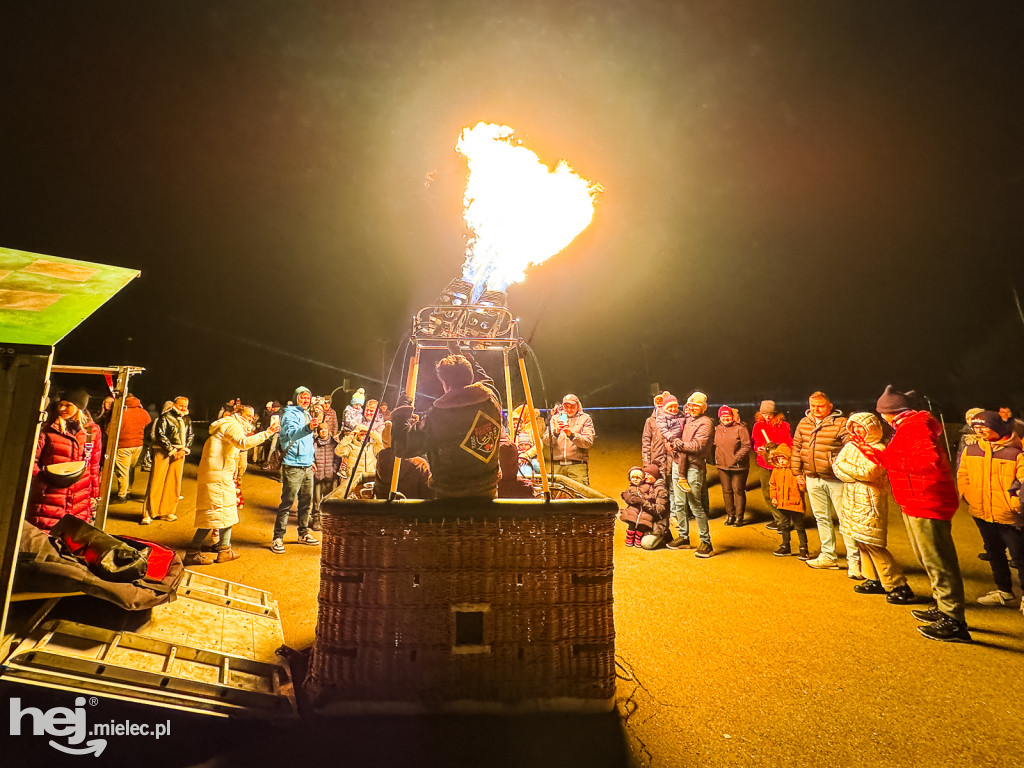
(863, 513)
(216, 495)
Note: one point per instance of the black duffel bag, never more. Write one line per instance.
(106, 556)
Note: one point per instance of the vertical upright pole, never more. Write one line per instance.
(110, 444)
(410, 390)
(537, 429)
(508, 392)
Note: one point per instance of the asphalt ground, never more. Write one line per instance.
(743, 659)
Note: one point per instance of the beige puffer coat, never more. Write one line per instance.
(863, 513)
(216, 501)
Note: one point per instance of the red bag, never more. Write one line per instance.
(158, 557)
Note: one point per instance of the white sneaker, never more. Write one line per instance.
(998, 597)
(277, 547)
(823, 563)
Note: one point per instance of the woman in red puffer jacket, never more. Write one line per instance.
(70, 436)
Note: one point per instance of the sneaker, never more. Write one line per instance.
(998, 597)
(929, 615)
(146, 521)
(310, 539)
(824, 563)
(683, 485)
(947, 629)
(772, 526)
(680, 542)
(277, 547)
(855, 574)
(905, 596)
(198, 558)
(783, 551)
(805, 554)
(705, 550)
(869, 587)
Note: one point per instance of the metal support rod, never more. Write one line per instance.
(410, 391)
(120, 392)
(537, 429)
(508, 392)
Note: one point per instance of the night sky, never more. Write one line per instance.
(798, 196)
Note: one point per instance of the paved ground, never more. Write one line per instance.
(741, 660)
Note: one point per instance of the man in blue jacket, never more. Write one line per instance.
(296, 440)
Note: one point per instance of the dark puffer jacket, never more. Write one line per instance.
(815, 446)
(56, 446)
(459, 435)
(324, 458)
(646, 505)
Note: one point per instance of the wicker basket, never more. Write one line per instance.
(464, 605)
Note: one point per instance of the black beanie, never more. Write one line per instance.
(892, 401)
(77, 397)
(993, 421)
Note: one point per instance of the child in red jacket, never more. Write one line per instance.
(789, 500)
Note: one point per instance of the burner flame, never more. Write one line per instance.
(519, 211)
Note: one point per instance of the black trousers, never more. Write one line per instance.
(999, 537)
(734, 491)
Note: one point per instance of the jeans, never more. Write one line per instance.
(999, 537)
(825, 496)
(202, 533)
(295, 481)
(692, 500)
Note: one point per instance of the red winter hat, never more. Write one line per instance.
(724, 409)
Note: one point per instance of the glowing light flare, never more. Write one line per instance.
(520, 211)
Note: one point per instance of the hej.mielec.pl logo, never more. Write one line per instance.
(71, 726)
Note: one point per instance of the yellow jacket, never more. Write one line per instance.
(987, 470)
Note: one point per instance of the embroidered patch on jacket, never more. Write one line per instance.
(482, 439)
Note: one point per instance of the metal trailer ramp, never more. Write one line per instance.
(211, 651)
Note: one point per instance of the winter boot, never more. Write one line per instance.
(629, 538)
(193, 557)
(226, 554)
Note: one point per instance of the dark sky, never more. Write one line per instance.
(797, 195)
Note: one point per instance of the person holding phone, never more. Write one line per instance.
(571, 436)
(298, 451)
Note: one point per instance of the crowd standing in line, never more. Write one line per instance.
(831, 465)
(834, 464)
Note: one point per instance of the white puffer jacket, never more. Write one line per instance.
(863, 510)
(216, 500)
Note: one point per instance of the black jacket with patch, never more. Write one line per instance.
(459, 436)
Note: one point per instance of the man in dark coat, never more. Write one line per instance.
(459, 434)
